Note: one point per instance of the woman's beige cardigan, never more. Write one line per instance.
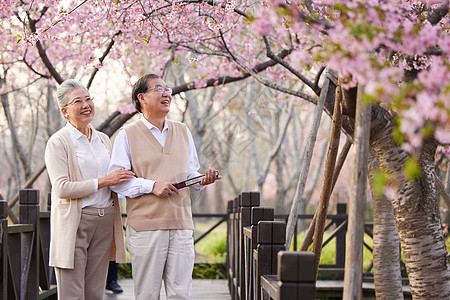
(67, 191)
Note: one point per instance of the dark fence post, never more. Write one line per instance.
(258, 214)
(229, 260)
(29, 214)
(341, 236)
(271, 239)
(296, 275)
(3, 248)
(247, 201)
(236, 247)
(45, 271)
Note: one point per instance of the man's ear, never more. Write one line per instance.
(140, 98)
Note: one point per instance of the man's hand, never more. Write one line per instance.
(210, 177)
(164, 189)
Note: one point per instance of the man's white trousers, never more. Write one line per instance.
(161, 254)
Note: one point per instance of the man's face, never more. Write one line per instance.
(154, 103)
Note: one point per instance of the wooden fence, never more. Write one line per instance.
(24, 250)
(258, 265)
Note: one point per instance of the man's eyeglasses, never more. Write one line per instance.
(160, 89)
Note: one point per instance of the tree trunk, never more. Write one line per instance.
(416, 209)
(386, 244)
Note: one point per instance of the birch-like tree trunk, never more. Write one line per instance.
(416, 209)
(386, 243)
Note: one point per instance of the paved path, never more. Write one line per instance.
(216, 289)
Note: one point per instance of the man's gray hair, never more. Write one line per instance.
(66, 87)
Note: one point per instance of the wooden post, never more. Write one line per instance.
(236, 247)
(330, 163)
(229, 260)
(45, 272)
(3, 248)
(340, 237)
(258, 214)
(271, 239)
(355, 235)
(247, 201)
(232, 249)
(328, 88)
(296, 275)
(29, 214)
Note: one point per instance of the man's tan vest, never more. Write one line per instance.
(150, 160)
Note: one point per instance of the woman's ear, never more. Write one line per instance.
(64, 112)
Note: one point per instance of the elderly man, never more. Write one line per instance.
(161, 152)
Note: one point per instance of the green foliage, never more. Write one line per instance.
(397, 135)
(370, 99)
(124, 271)
(209, 271)
(329, 251)
(213, 247)
(412, 169)
(379, 182)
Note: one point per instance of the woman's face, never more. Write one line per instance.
(80, 109)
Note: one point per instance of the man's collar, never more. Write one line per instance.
(151, 126)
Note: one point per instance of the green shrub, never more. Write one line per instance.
(209, 271)
(213, 248)
(124, 271)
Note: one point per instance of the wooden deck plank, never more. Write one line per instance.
(201, 289)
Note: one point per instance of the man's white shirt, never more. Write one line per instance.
(121, 159)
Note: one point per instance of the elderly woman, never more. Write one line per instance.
(86, 227)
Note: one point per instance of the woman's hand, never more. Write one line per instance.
(116, 177)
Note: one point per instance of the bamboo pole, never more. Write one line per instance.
(293, 214)
(337, 170)
(330, 164)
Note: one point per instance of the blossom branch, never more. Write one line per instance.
(42, 53)
(436, 15)
(24, 60)
(102, 58)
(277, 87)
(71, 11)
(285, 64)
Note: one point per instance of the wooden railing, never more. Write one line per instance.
(257, 263)
(24, 250)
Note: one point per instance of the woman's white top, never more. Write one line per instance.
(93, 159)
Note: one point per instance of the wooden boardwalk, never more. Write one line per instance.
(216, 289)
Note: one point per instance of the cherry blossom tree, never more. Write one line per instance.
(394, 52)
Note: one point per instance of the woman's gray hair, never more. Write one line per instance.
(64, 88)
